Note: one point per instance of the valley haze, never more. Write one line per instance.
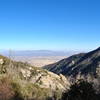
(37, 58)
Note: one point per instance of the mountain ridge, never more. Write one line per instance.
(84, 64)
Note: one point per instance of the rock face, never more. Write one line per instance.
(46, 79)
(1, 61)
(85, 63)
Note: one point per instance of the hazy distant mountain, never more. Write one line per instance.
(37, 53)
(85, 63)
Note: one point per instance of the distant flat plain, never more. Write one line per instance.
(40, 60)
(37, 58)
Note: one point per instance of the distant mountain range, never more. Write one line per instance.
(31, 53)
(83, 63)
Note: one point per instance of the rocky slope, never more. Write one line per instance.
(27, 75)
(85, 63)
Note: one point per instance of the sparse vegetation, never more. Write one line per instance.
(16, 82)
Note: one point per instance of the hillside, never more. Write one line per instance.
(31, 80)
(84, 64)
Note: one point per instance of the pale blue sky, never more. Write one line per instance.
(49, 24)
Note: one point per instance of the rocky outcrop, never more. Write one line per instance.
(1, 61)
(46, 79)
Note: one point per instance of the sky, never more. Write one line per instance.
(49, 24)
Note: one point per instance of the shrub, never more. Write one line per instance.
(81, 90)
(6, 91)
(9, 90)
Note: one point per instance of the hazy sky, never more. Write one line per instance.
(50, 24)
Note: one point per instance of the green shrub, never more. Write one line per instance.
(81, 90)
